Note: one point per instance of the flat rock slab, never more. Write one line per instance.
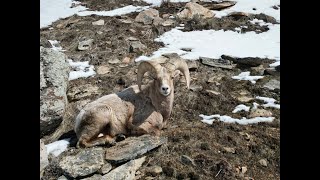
(86, 162)
(248, 61)
(132, 147)
(126, 171)
(220, 63)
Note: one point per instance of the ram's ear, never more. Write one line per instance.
(175, 73)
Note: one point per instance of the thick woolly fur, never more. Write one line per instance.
(133, 111)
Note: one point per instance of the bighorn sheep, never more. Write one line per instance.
(137, 110)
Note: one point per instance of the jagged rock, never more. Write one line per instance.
(193, 65)
(54, 73)
(43, 157)
(137, 47)
(98, 23)
(132, 147)
(272, 71)
(157, 21)
(82, 91)
(272, 84)
(147, 16)
(221, 63)
(125, 171)
(192, 9)
(85, 45)
(86, 162)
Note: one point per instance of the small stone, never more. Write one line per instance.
(257, 71)
(186, 49)
(263, 162)
(125, 171)
(106, 168)
(98, 23)
(168, 22)
(220, 63)
(99, 32)
(187, 160)
(85, 45)
(114, 61)
(204, 146)
(154, 170)
(126, 21)
(133, 31)
(260, 113)
(213, 92)
(132, 39)
(196, 88)
(169, 171)
(193, 65)
(137, 47)
(229, 150)
(157, 21)
(126, 60)
(245, 99)
(165, 16)
(272, 84)
(244, 169)
(103, 70)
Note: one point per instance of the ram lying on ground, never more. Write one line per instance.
(139, 109)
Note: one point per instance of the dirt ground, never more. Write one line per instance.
(187, 135)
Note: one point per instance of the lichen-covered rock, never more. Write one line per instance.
(147, 16)
(54, 73)
(132, 147)
(86, 162)
(125, 171)
(193, 9)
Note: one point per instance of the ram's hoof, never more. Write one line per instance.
(120, 137)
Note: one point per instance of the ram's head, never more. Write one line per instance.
(163, 75)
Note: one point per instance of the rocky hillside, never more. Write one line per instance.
(234, 66)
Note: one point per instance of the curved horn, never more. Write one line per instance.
(146, 66)
(182, 66)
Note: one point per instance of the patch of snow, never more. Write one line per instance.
(55, 45)
(255, 106)
(246, 76)
(53, 10)
(181, 25)
(277, 63)
(237, 29)
(158, 2)
(270, 102)
(241, 107)
(260, 22)
(56, 148)
(247, 6)
(115, 12)
(213, 44)
(228, 119)
(82, 69)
